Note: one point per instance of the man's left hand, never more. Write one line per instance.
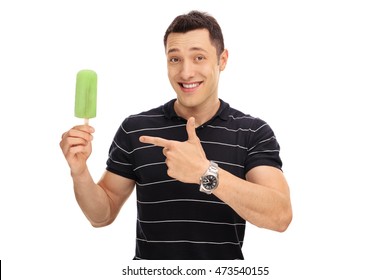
(186, 161)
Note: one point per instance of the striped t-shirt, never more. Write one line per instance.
(174, 219)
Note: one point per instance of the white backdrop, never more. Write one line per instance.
(318, 70)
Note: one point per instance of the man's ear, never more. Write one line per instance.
(223, 58)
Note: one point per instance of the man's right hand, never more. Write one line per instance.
(76, 147)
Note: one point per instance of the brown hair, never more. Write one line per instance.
(197, 20)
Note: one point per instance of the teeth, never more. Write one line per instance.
(190, 85)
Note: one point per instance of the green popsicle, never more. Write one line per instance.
(86, 95)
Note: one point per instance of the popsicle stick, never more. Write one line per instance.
(86, 121)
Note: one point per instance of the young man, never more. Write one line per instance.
(201, 168)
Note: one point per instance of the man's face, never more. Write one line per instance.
(193, 67)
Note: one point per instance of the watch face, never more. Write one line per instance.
(209, 182)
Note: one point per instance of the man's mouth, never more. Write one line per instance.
(190, 85)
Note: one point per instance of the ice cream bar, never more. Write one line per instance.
(86, 95)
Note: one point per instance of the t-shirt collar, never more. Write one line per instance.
(169, 111)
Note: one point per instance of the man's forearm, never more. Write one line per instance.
(262, 206)
(92, 200)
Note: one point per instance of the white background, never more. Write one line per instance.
(317, 71)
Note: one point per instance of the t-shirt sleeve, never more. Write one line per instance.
(120, 159)
(263, 147)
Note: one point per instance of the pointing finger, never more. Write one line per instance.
(158, 141)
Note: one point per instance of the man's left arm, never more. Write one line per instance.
(263, 199)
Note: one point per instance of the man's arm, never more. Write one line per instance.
(263, 199)
(100, 202)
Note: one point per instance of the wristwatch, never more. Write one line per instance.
(209, 181)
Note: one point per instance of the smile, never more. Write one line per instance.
(190, 85)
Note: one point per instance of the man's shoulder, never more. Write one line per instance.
(153, 117)
(238, 117)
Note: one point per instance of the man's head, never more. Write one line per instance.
(197, 20)
(195, 57)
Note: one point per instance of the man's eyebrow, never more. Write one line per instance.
(191, 49)
(172, 50)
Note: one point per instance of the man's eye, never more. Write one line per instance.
(199, 58)
(174, 60)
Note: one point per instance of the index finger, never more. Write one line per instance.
(85, 128)
(158, 141)
(82, 131)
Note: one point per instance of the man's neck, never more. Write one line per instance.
(202, 114)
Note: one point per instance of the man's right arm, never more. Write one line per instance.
(100, 202)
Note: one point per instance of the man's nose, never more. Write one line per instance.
(187, 70)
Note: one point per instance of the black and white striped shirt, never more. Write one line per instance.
(175, 220)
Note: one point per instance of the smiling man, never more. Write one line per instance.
(201, 169)
(194, 66)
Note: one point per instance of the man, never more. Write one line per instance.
(201, 168)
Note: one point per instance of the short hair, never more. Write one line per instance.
(197, 20)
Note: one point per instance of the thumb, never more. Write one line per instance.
(191, 129)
